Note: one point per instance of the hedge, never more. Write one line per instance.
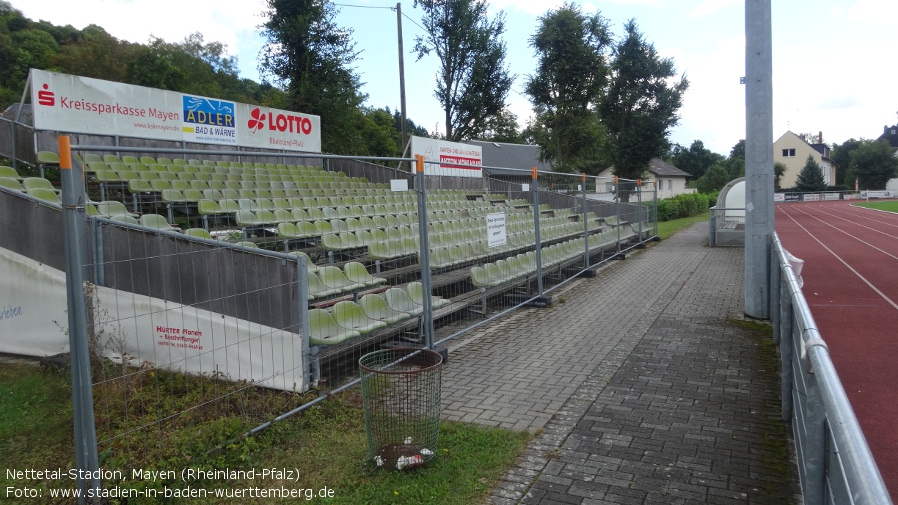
(685, 205)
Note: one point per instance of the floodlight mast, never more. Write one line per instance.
(759, 207)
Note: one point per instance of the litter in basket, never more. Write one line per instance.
(401, 402)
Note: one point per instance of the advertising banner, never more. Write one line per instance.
(68, 103)
(456, 159)
(33, 319)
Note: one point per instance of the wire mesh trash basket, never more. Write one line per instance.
(401, 401)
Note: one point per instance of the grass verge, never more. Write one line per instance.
(668, 228)
(323, 448)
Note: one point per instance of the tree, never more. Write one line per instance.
(641, 104)
(779, 170)
(841, 156)
(874, 163)
(714, 179)
(694, 160)
(312, 58)
(502, 127)
(811, 177)
(473, 81)
(571, 75)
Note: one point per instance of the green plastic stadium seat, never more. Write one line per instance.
(350, 316)
(113, 208)
(251, 245)
(375, 306)
(155, 221)
(48, 195)
(399, 301)
(323, 330)
(318, 289)
(37, 182)
(310, 265)
(334, 278)
(10, 183)
(8, 172)
(357, 273)
(198, 232)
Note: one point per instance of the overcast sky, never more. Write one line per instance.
(834, 67)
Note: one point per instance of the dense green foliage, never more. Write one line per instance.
(695, 159)
(685, 205)
(841, 156)
(198, 67)
(473, 80)
(811, 177)
(873, 163)
(641, 104)
(571, 76)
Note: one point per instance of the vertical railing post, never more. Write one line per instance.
(639, 206)
(534, 176)
(776, 275)
(617, 193)
(814, 450)
(311, 369)
(655, 196)
(787, 371)
(426, 285)
(74, 236)
(585, 225)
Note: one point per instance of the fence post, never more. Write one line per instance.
(426, 286)
(311, 370)
(74, 235)
(639, 206)
(617, 209)
(655, 197)
(787, 347)
(534, 175)
(815, 440)
(585, 225)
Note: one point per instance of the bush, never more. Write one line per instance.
(685, 205)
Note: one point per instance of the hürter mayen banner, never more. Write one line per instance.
(69, 103)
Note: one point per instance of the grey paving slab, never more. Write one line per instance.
(639, 387)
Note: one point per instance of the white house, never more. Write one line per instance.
(670, 179)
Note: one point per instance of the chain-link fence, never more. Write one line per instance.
(232, 292)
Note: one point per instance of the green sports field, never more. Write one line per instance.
(888, 206)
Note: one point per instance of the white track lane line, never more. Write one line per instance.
(852, 236)
(849, 221)
(855, 272)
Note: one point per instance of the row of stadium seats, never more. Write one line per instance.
(346, 319)
(516, 268)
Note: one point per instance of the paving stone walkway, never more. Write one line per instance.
(640, 385)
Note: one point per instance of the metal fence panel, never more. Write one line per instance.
(835, 463)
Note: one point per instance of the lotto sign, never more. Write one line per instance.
(75, 104)
(278, 129)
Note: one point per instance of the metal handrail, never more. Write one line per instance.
(833, 436)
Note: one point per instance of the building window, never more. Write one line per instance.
(788, 153)
(670, 184)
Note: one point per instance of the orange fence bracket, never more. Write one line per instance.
(419, 163)
(65, 153)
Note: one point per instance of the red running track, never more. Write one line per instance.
(851, 284)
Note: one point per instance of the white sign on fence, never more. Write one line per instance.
(495, 230)
(458, 160)
(398, 185)
(69, 103)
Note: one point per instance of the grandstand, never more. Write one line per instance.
(360, 240)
